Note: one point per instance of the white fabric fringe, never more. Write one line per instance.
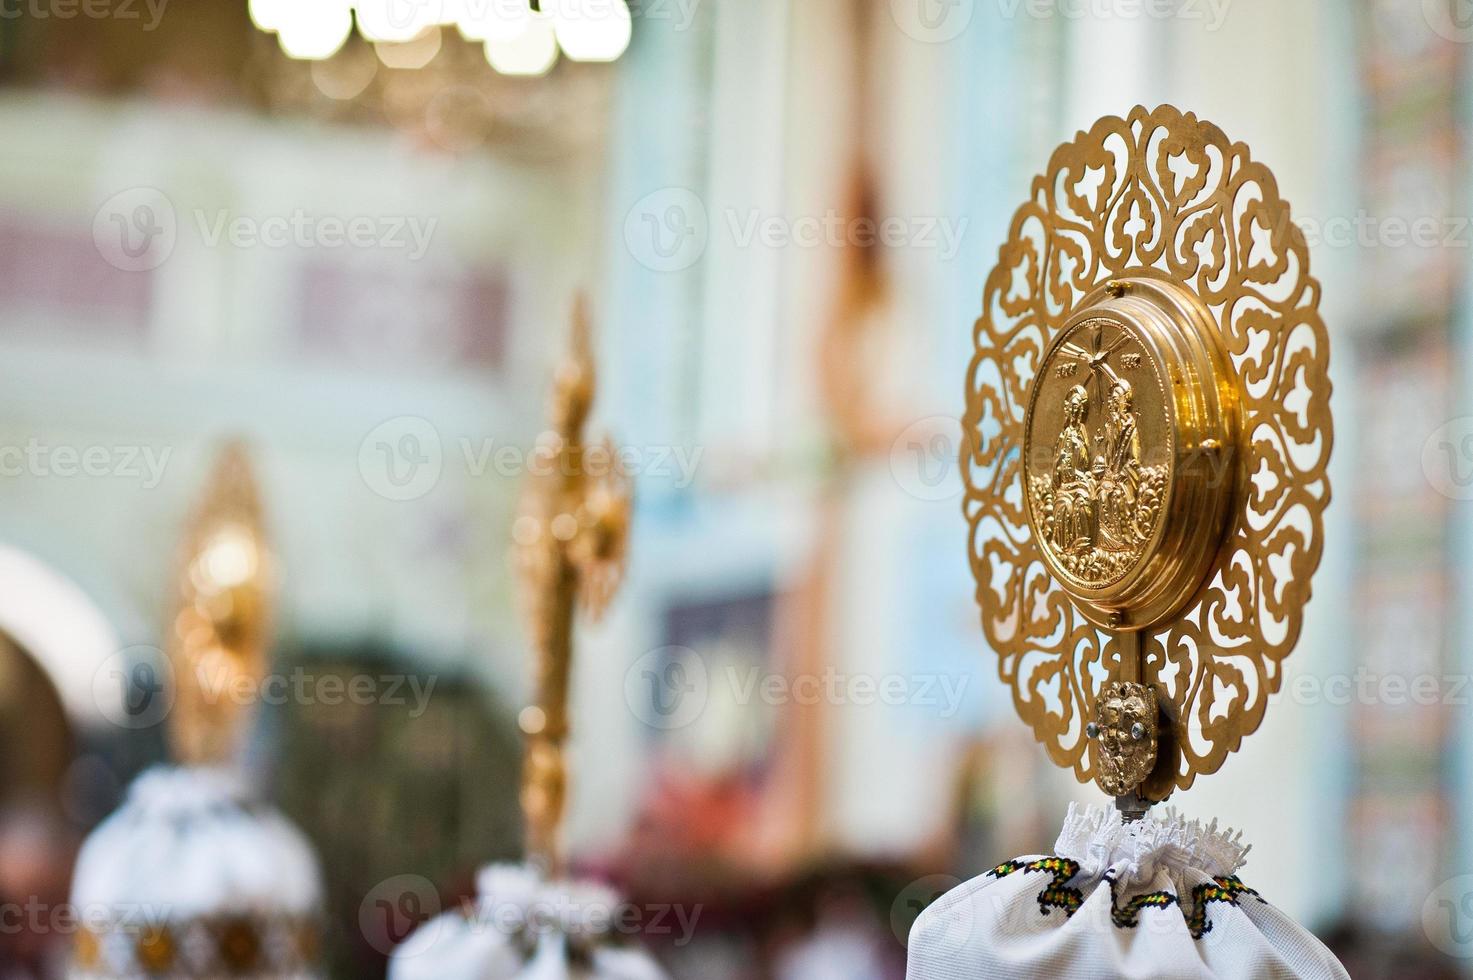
(1101, 839)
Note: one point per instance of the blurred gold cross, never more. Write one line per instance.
(571, 540)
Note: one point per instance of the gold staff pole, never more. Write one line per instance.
(571, 538)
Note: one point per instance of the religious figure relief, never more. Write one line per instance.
(1120, 473)
(1099, 503)
(1074, 484)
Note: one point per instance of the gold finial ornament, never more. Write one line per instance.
(1146, 441)
(219, 638)
(571, 539)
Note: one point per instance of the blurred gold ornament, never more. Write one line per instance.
(571, 542)
(218, 643)
(1147, 435)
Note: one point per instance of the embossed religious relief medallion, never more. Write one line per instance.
(1146, 446)
(1099, 450)
(1129, 446)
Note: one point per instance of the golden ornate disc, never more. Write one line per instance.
(1147, 433)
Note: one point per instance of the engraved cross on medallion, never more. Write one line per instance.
(1097, 360)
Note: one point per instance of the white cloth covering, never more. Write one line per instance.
(191, 875)
(1156, 897)
(522, 927)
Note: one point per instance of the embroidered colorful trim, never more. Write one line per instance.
(1057, 895)
(1226, 890)
(230, 945)
(1128, 916)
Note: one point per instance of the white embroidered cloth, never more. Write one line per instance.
(1156, 897)
(191, 877)
(522, 927)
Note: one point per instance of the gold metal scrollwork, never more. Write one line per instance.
(1127, 733)
(1147, 435)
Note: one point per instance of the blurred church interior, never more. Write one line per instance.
(356, 249)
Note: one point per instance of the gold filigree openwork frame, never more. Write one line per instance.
(1161, 195)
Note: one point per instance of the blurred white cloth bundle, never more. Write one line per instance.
(191, 877)
(523, 927)
(1146, 898)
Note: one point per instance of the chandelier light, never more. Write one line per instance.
(591, 30)
(518, 39)
(312, 29)
(491, 20)
(397, 21)
(532, 51)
